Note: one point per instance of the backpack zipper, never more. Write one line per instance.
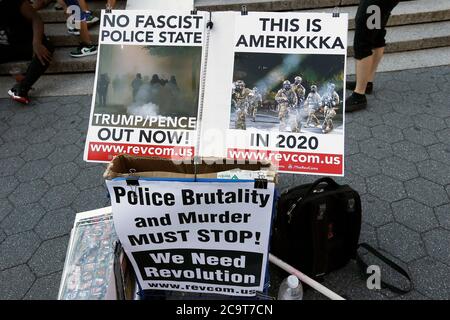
(292, 207)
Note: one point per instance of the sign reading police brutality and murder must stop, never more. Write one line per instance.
(195, 236)
(145, 99)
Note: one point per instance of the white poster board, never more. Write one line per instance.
(263, 50)
(203, 237)
(262, 86)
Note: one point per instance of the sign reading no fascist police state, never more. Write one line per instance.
(195, 236)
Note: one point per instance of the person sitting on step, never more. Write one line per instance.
(22, 38)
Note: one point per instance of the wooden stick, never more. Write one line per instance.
(304, 278)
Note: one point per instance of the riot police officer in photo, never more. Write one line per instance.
(240, 99)
(312, 105)
(287, 101)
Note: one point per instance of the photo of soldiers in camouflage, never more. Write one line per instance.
(287, 92)
(148, 81)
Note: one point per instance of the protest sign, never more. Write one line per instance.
(282, 81)
(262, 86)
(147, 80)
(209, 237)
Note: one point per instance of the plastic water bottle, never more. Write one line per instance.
(290, 289)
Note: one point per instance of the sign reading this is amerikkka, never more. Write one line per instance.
(209, 237)
(262, 86)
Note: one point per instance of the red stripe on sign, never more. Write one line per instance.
(318, 163)
(104, 151)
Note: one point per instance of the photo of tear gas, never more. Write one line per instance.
(288, 92)
(148, 81)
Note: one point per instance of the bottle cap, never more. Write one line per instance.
(292, 281)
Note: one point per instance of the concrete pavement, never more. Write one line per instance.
(397, 157)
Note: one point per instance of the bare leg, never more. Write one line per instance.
(40, 4)
(363, 73)
(111, 3)
(377, 56)
(63, 5)
(84, 33)
(83, 5)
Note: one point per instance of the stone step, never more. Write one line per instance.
(50, 15)
(268, 5)
(62, 63)
(398, 38)
(413, 37)
(409, 60)
(409, 12)
(57, 32)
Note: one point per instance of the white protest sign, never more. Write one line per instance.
(147, 84)
(209, 237)
(267, 86)
(280, 93)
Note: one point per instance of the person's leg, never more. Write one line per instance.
(86, 47)
(35, 69)
(83, 5)
(364, 69)
(370, 38)
(362, 46)
(111, 4)
(377, 55)
(85, 37)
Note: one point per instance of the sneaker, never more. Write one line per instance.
(73, 31)
(16, 94)
(351, 85)
(84, 51)
(355, 102)
(90, 18)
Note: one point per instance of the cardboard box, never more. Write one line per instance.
(126, 165)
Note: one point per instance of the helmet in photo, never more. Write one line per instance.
(286, 84)
(298, 79)
(331, 86)
(313, 88)
(240, 84)
(255, 89)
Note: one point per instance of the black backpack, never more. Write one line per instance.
(317, 227)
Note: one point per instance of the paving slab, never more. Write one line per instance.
(443, 215)
(15, 282)
(50, 256)
(436, 283)
(401, 242)
(18, 248)
(414, 215)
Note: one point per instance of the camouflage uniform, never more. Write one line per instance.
(240, 97)
(255, 102)
(240, 119)
(300, 92)
(286, 99)
(331, 101)
(312, 105)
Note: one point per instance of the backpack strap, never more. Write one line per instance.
(363, 266)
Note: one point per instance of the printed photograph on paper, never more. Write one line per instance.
(154, 81)
(288, 92)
